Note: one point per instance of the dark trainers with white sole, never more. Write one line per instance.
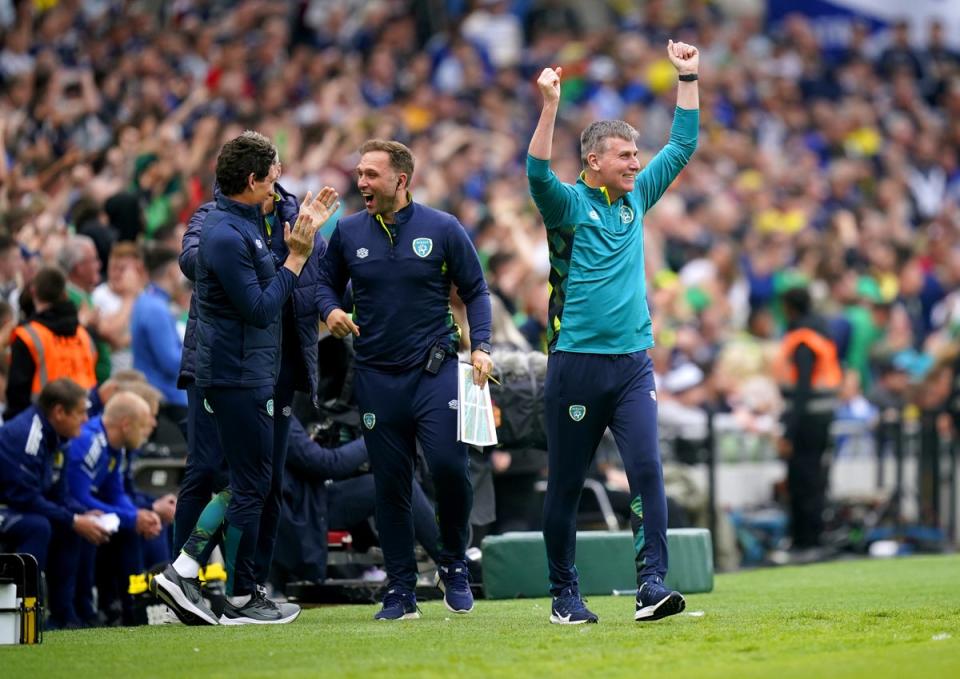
(183, 597)
(259, 610)
(654, 601)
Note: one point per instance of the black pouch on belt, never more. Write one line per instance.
(438, 355)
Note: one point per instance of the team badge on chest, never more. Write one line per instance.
(422, 246)
(626, 214)
(362, 253)
(369, 420)
(577, 412)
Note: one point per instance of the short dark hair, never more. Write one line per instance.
(797, 301)
(49, 285)
(401, 157)
(125, 249)
(157, 258)
(61, 392)
(251, 152)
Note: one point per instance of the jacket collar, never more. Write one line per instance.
(98, 426)
(51, 439)
(249, 212)
(599, 194)
(155, 289)
(401, 216)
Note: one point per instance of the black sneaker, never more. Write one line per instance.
(183, 597)
(259, 610)
(654, 601)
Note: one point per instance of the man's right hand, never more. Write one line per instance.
(341, 324)
(166, 507)
(549, 84)
(86, 526)
(148, 523)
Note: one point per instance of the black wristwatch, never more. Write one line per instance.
(688, 77)
(484, 347)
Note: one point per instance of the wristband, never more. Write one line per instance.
(688, 77)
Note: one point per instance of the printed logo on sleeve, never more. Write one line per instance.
(422, 246)
(259, 243)
(577, 412)
(369, 420)
(454, 404)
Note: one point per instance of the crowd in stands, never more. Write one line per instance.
(834, 169)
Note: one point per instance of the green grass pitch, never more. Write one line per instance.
(870, 619)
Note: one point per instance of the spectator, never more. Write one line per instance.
(331, 489)
(113, 301)
(900, 55)
(79, 260)
(52, 344)
(11, 272)
(155, 341)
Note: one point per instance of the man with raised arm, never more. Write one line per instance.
(599, 374)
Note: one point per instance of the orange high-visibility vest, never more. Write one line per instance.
(58, 356)
(827, 373)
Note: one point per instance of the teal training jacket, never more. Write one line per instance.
(598, 291)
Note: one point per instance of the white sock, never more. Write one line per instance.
(186, 566)
(239, 600)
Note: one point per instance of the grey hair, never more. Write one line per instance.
(71, 253)
(593, 139)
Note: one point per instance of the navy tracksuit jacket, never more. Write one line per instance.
(241, 293)
(205, 472)
(36, 511)
(401, 275)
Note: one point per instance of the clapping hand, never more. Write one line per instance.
(314, 211)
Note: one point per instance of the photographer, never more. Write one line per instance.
(331, 489)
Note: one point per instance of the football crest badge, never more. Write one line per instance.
(422, 246)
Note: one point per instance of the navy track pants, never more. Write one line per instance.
(585, 394)
(398, 410)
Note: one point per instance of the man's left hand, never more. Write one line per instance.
(314, 211)
(323, 206)
(482, 367)
(685, 58)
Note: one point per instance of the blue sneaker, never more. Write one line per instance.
(654, 601)
(453, 581)
(569, 609)
(398, 604)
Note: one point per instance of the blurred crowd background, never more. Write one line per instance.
(834, 165)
